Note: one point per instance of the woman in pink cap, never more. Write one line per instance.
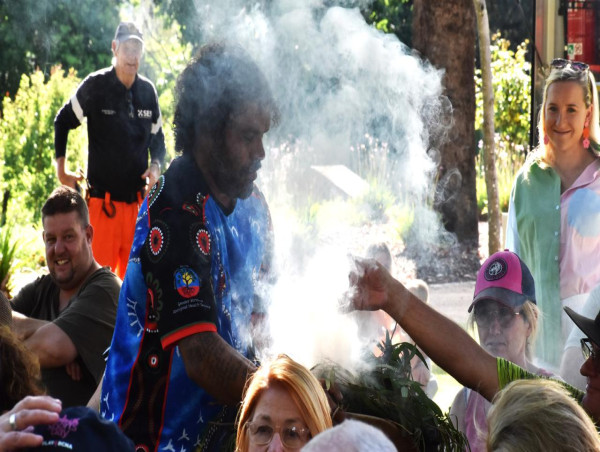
(505, 312)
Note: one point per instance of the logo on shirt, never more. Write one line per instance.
(187, 282)
(203, 241)
(146, 114)
(109, 112)
(156, 240)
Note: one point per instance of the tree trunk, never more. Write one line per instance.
(489, 153)
(4, 214)
(444, 33)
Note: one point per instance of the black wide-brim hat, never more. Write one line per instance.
(590, 327)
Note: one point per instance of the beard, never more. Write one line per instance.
(233, 180)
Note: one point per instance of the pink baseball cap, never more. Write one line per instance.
(504, 278)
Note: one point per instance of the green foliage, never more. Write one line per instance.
(512, 104)
(42, 34)
(402, 217)
(165, 57)
(392, 16)
(185, 13)
(8, 247)
(508, 162)
(30, 255)
(384, 389)
(376, 202)
(27, 133)
(512, 100)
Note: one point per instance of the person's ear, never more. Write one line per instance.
(113, 46)
(588, 115)
(89, 233)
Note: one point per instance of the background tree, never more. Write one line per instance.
(27, 174)
(392, 16)
(444, 32)
(511, 18)
(39, 34)
(489, 153)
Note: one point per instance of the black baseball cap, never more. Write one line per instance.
(82, 429)
(128, 30)
(590, 327)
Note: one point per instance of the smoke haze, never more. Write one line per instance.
(348, 95)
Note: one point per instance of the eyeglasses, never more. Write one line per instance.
(588, 351)
(561, 63)
(485, 315)
(293, 436)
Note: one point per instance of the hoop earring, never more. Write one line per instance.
(586, 134)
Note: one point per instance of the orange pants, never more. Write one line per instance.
(113, 236)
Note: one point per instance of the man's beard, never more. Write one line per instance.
(233, 184)
(65, 279)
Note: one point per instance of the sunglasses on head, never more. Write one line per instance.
(561, 63)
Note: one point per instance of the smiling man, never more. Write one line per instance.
(67, 317)
(124, 124)
(182, 348)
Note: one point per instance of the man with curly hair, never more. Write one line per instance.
(181, 351)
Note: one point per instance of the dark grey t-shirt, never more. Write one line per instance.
(88, 320)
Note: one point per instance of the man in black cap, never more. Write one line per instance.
(446, 343)
(124, 124)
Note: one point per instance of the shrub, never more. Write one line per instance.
(512, 104)
(27, 132)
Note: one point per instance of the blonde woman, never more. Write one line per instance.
(284, 406)
(553, 222)
(539, 415)
(506, 316)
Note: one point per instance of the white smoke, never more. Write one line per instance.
(341, 86)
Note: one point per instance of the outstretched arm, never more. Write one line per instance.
(446, 343)
(215, 366)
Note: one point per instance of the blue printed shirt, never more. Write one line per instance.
(194, 267)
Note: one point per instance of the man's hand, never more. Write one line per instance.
(73, 370)
(28, 412)
(152, 173)
(370, 286)
(65, 176)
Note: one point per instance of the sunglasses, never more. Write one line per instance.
(486, 314)
(561, 63)
(588, 351)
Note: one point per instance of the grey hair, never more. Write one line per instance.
(350, 436)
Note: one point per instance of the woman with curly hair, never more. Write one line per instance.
(19, 371)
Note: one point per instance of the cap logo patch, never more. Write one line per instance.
(63, 426)
(496, 270)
